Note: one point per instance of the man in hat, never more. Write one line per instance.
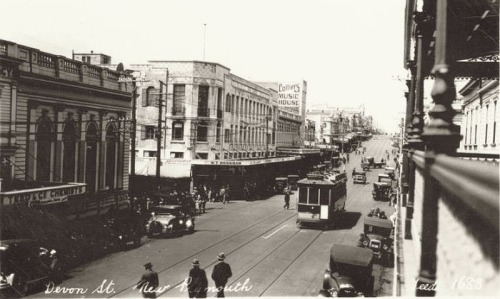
(149, 282)
(287, 199)
(54, 268)
(197, 282)
(220, 274)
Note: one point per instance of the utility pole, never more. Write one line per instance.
(159, 132)
(204, 34)
(132, 137)
(267, 133)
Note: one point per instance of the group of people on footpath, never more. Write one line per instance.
(197, 282)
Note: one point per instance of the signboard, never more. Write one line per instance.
(42, 196)
(290, 95)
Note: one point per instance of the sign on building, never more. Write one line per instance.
(290, 95)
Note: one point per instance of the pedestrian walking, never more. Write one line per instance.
(220, 274)
(222, 193)
(149, 282)
(287, 199)
(55, 275)
(197, 281)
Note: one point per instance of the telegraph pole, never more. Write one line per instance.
(159, 132)
(133, 132)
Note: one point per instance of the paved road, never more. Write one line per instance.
(269, 255)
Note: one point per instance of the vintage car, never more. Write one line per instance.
(350, 273)
(377, 237)
(22, 266)
(390, 171)
(169, 220)
(127, 228)
(359, 177)
(292, 181)
(382, 190)
(380, 164)
(280, 184)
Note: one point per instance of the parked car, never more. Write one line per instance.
(359, 177)
(382, 189)
(390, 171)
(127, 228)
(350, 272)
(292, 181)
(377, 237)
(168, 220)
(22, 266)
(280, 183)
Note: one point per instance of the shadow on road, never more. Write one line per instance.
(347, 220)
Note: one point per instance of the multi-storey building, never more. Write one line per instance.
(62, 132)
(479, 120)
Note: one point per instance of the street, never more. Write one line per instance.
(268, 254)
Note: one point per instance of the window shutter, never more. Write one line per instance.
(143, 132)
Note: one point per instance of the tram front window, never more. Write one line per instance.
(303, 195)
(313, 196)
(323, 197)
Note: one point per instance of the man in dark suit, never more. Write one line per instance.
(149, 282)
(197, 282)
(220, 274)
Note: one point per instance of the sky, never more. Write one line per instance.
(349, 52)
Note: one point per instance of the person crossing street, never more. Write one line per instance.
(220, 274)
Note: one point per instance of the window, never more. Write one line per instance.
(227, 135)
(203, 101)
(324, 195)
(43, 147)
(147, 154)
(217, 134)
(148, 97)
(313, 196)
(111, 140)
(219, 99)
(494, 122)
(69, 153)
(179, 99)
(303, 195)
(202, 131)
(486, 126)
(91, 140)
(177, 130)
(203, 156)
(176, 155)
(150, 132)
(228, 103)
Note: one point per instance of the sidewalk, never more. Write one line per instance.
(408, 259)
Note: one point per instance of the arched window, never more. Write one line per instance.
(202, 131)
(43, 147)
(91, 156)
(69, 153)
(111, 146)
(177, 130)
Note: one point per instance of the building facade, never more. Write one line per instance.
(63, 132)
(479, 121)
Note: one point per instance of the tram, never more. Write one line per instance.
(321, 198)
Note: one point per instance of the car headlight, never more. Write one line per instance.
(170, 226)
(189, 223)
(334, 293)
(181, 221)
(120, 237)
(385, 247)
(365, 243)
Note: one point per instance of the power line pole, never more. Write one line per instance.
(158, 137)
(133, 132)
(204, 34)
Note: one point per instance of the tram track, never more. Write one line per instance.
(190, 257)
